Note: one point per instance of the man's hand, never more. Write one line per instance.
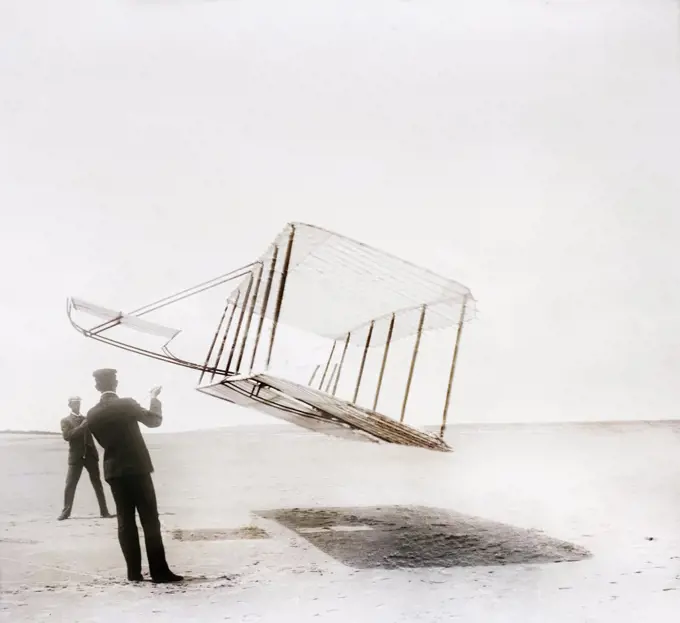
(154, 391)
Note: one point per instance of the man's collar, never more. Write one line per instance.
(76, 414)
(113, 394)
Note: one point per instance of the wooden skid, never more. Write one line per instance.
(318, 411)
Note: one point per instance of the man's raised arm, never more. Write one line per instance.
(153, 416)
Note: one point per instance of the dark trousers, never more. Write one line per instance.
(137, 493)
(73, 476)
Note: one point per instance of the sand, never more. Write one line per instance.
(530, 524)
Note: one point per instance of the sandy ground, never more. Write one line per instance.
(534, 524)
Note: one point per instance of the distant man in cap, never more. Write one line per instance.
(114, 422)
(81, 453)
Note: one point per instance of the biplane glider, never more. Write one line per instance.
(353, 299)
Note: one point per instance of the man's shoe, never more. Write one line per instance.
(107, 515)
(135, 577)
(63, 516)
(167, 578)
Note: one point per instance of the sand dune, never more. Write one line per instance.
(531, 524)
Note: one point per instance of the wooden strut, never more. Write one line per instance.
(328, 364)
(330, 378)
(384, 362)
(363, 360)
(452, 370)
(246, 298)
(265, 302)
(226, 333)
(214, 341)
(413, 361)
(342, 361)
(250, 317)
(311, 378)
(279, 297)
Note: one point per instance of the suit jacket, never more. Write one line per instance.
(114, 422)
(80, 442)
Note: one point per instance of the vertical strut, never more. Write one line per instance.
(214, 341)
(279, 297)
(452, 370)
(226, 333)
(330, 378)
(311, 378)
(265, 301)
(342, 361)
(413, 361)
(384, 362)
(246, 298)
(328, 364)
(250, 317)
(363, 361)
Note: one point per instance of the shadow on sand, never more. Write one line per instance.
(397, 537)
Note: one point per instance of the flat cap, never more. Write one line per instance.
(75, 399)
(104, 373)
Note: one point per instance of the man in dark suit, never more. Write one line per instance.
(114, 422)
(81, 453)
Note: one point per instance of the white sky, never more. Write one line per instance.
(528, 149)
